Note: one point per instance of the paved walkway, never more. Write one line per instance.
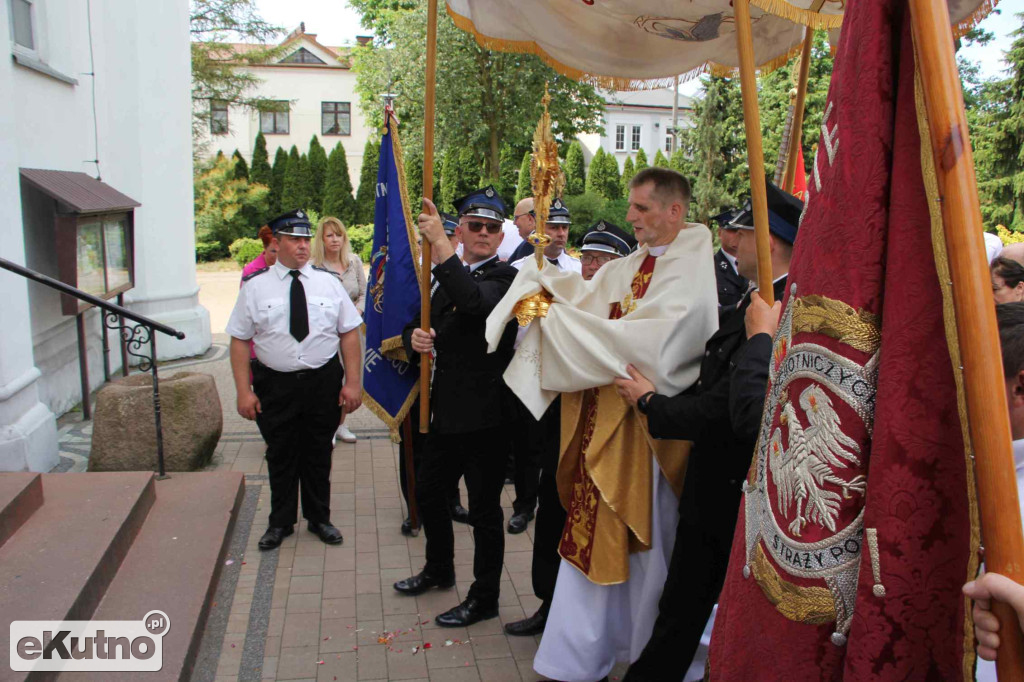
(313, 612)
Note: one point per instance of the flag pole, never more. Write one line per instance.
(975, 316)
(755, 151)
(796, 133)
(428, 192)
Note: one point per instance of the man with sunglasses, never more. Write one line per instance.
(470, 406)
(603, 243)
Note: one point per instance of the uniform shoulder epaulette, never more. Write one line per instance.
(254, 273)
(327, 270)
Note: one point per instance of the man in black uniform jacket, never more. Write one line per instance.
(731, 284)
(718, 462)
(469, 403)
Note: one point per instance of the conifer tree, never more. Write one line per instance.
(277, 182)
(575, 175)
(259, 171)
(659, 160)
(641, 160)
(241, 167)
(603, 178)
(628, 171)
(366, 195)
(524, 187)
(295, 192)
(317, 173)
(338, 200)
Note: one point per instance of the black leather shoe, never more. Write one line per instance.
(274, 537)
(460, 514)
(527, 627)
(424, 580)
(518, 523)
(326, 532)
(407, 527)
(465, 614)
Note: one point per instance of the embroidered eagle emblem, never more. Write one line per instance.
(802, 470)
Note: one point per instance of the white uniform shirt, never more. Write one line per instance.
(565, 262)
(263, 313)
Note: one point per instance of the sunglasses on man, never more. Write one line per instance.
(476, 226)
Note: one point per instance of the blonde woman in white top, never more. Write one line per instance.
(332, 250)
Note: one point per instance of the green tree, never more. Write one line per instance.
(317, 173)
(296, 182)
(277, 173)
(366, 195)
(509, 173)
(628, 171)
(260, 169)
(524, 187)
(659, 160)
(603, 177)
(337, 191)
(460, 175)
(641, 160)
(215, 27)
(575, 173)
(223, 203)
(499, 99)
(241, 167)
(678, 162)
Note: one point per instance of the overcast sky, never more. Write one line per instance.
(335, 23)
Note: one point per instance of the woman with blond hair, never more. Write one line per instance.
(332, 250)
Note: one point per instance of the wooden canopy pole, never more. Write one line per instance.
(975, 316)
(755, 151)
(428, 192)
(796, 133)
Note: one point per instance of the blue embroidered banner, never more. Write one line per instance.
(393, 291)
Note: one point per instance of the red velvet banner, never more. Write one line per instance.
(855, 532)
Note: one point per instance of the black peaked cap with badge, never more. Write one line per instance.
(723, 219)
(450, 222)
(558, 213)
(482, 203)
(607, 237)
(295, 223)
(784, 211)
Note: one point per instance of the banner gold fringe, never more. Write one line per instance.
(939, 247)
(393, 343)
(608, 82)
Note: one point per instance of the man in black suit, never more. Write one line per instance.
(731, 284)
(718, 462)
(470, 404)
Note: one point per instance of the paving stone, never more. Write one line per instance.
(297, 663)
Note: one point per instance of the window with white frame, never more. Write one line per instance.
(274, 118)
(218, 117)
(23, 33)
(668, 143)
(635, 141)
(620, 138)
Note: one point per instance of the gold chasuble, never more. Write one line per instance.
(652, 310)
(604, 472)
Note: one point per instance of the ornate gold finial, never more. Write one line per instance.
(546, 177)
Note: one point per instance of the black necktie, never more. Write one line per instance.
(299, 325)
(553, 261)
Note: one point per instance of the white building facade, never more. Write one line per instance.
(637, 120)
(316, 87)
(120, 96)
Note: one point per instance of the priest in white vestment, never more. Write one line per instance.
(654, 309)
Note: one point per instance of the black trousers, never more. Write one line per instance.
(473, 455)
(693, 585)
(418, 439)
(526, 452)
(547, 532)
(300, 413)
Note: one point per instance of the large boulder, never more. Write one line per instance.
(124, 431)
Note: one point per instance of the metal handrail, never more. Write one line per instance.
(132, 338)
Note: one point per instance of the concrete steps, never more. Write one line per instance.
(114, 546)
